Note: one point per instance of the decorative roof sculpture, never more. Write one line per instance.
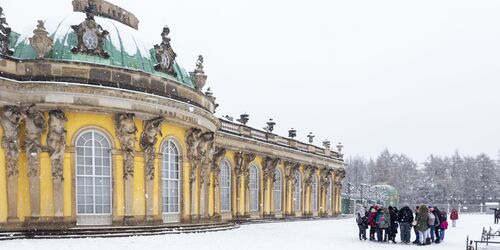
(200, 79)
(90, 35)
(165, 55)
(40, 41)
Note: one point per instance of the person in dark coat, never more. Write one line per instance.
(362, 225)
(405, 219)
(414, 223)
(393, 227)
(437, 225)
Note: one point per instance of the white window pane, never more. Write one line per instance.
(93, 162)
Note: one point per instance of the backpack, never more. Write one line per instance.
(431, 220)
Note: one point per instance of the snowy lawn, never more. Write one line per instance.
(308, 235)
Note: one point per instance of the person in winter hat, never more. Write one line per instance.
(444, 224)
(383, 222)
(362, 222)
(422, 225)
(405, 219)
(393, 228)
(454, 217)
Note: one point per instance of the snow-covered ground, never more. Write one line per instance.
(308, 235)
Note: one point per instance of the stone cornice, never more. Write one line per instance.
(31, 70)
(79, 97)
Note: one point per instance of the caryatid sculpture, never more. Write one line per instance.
(192, 141)
(56, 142)
(126, 133)
(219, 153)
(35, 127)
(11, 119)
(152, 128)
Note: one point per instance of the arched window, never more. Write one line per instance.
(170, 177)
(225, 187)
(254, 188)
(93, 174)
(329, 197)
(297, 191)
(314, 198)
(277, 190)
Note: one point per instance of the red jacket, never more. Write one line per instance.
(454, 215)
(371, 219)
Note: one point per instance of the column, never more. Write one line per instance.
(271, 198)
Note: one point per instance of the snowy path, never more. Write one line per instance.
(306, 235)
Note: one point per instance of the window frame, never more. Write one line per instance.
(77, 165)
(278, 183)
(166, 163)
(254, 188)
(225, 164)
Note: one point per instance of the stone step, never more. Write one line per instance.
(99, 232)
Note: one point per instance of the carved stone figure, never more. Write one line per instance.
(4, 35)
(325, 178)
(269, 166)
(152, 128)
(192, 141)
(11, 121)
(309, 173)
(274, 165)
(56, 142)
(205, 153)
(40, 41)
(247, 158)
(90, 35)
(340, 172)
(219, 153)
(238, 167)
(290, 168)
(35, 126)
(165, 55)
(205, 146)
(126, 133)
(198, 74)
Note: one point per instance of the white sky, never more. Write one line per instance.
(417, 77)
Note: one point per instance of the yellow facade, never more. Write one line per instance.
(93, 97)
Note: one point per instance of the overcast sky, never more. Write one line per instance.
(416, 77)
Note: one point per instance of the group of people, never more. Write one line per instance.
(429, 224)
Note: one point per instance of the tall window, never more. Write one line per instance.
(254, 188)
(93, 173)
(225, 187)
(277, 190)
(170, 177)
(297, 190)
(314, 198)
(329, 196)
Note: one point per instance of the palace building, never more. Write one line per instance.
(99, 128)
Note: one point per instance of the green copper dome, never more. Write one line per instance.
(123, 44)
